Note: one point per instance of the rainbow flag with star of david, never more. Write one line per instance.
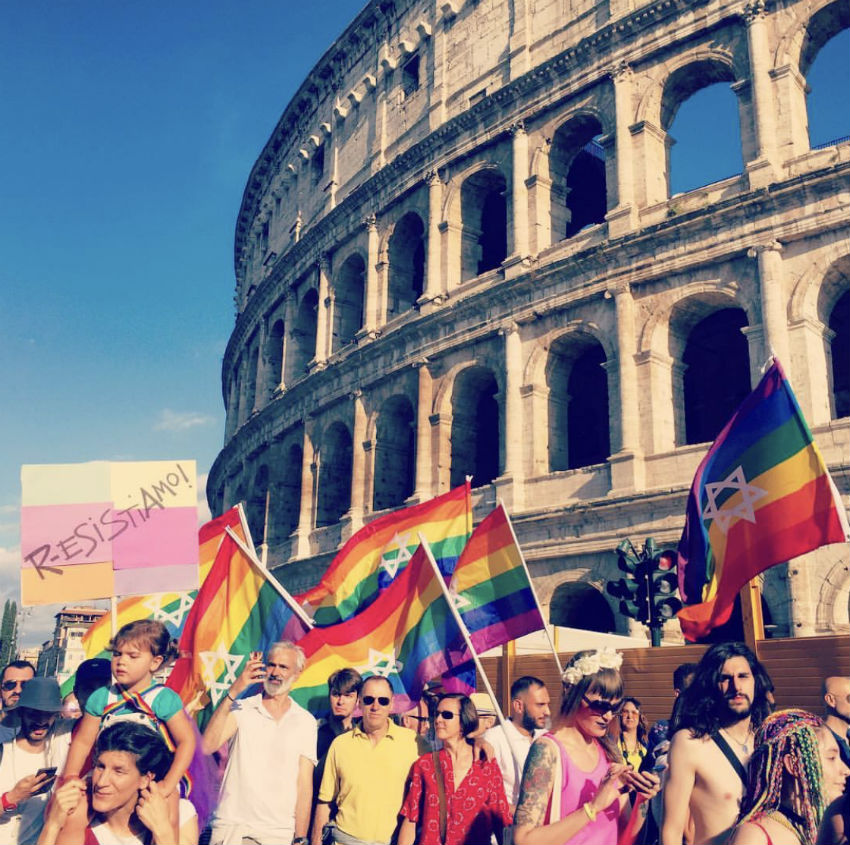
(374, 555)
(238, 610)
(761, 496)
(408, 635)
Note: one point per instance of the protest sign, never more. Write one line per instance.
(103, 529)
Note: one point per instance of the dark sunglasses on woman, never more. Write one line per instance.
(600, 706)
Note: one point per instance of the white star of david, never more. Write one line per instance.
(381, 664)
(458, 600)
(392, 565)
(174, 617)
(209, 663)
(726, 513)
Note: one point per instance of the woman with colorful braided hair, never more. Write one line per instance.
(575, 784)
(794, 774)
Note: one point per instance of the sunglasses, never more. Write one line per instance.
(600, 706)
(8, 686)
(383, 700)
(448, 715)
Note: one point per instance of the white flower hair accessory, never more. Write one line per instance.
(590, 664)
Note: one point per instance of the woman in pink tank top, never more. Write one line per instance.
(575, 785)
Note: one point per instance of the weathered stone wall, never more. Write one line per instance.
(404, 281)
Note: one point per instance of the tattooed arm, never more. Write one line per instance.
(535, 790)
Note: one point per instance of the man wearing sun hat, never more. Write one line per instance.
(30, 761)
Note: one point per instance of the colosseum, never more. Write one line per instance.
(458, 254)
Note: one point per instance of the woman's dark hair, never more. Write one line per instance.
(468, 713)
(641, 728)
(702, 703)
(147, 746)
(150, 632)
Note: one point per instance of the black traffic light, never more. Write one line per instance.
(633, 589)
(663, 586)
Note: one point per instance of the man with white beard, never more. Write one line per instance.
(267, 789)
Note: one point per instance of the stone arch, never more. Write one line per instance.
(578, 195)
(476, 433)
(274, 356)
(831, 612)
(442, 403)
(349, 294)
(302, 335)
(481, 210)
(406, 264)
(577, 604)
(333, 498)
(802, 41)
(834, 304)
(578, 413)
(257, 503)
(285, 503)
(395, 465)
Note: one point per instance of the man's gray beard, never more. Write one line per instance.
(277, 689)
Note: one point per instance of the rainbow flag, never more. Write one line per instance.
(169, 608)
(373, 557)
(408, 635)
(492, 590)
(237, 611)
(761, 496)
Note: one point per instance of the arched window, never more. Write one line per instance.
(699, 111)
(349, 292)
(579, 605)
(406, 264)
(717, 373)
(476, 441)
(394, 454)
(839, 324)
(577, 171)
(825, 64)
(303, 336)
(335, 462)
(579, 432)
(285, 505)
(256, 505)
(274, 357)
(251, 367)
(484, 215)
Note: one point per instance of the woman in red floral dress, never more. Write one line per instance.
(475, 803)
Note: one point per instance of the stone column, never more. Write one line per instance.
(623, 218)
(370, 321)
(424, 474)
(762, 171)
(434, 287)
(627, 470)
(324, 314)
(513, 473)
(358, 462)
(519, 192)
(288, 321)
(301, 536)
(773, 301)
(539, 187)
(261, 391)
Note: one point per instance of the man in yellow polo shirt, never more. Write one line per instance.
(365, 773)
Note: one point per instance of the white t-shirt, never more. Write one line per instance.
(260, 783)
(507, 743)
(22, 826)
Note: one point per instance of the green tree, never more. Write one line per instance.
(9, 633)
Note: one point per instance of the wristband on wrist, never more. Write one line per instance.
(589, 811)
(228, 695)
(8, 806)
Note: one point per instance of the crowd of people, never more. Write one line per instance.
(726, 767)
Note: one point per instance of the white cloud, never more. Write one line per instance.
(181, 420)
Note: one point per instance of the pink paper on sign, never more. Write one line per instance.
(166, 538)
(65, 535)
(156, 579)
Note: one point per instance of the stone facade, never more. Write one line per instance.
(458, 254)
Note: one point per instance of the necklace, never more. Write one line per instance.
(780, 817)
(744, 746)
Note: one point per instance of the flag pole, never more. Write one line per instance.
(463, 629)
(284, 594)
(533, 591)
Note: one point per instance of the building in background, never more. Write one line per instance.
(61, 655)
(458, 254)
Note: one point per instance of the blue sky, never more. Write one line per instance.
(128, 133)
